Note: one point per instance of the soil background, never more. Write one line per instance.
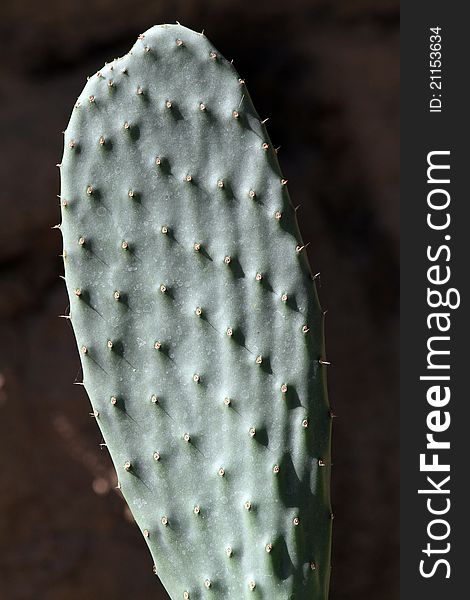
(326, 72)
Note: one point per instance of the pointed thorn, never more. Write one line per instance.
(299, 249)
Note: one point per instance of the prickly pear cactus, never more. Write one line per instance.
(198, 323)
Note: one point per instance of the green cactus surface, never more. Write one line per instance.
(198, 323)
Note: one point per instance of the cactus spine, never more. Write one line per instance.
(198, 324)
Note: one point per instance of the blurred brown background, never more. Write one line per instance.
(326, 72)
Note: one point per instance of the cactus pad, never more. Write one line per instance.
(198, 323)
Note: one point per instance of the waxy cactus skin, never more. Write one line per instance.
(198, 324)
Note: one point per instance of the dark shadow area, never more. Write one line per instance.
(226, 193)
(291, 398)
(107, 146)
(292, 302)
(261, 437)
(281, 561)
(239, 337)
(132, 131)
(265, 284)
(174, 112)
(163, 166)
(289, 484)
(205, 254)
(236, 268)
(265, 366)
